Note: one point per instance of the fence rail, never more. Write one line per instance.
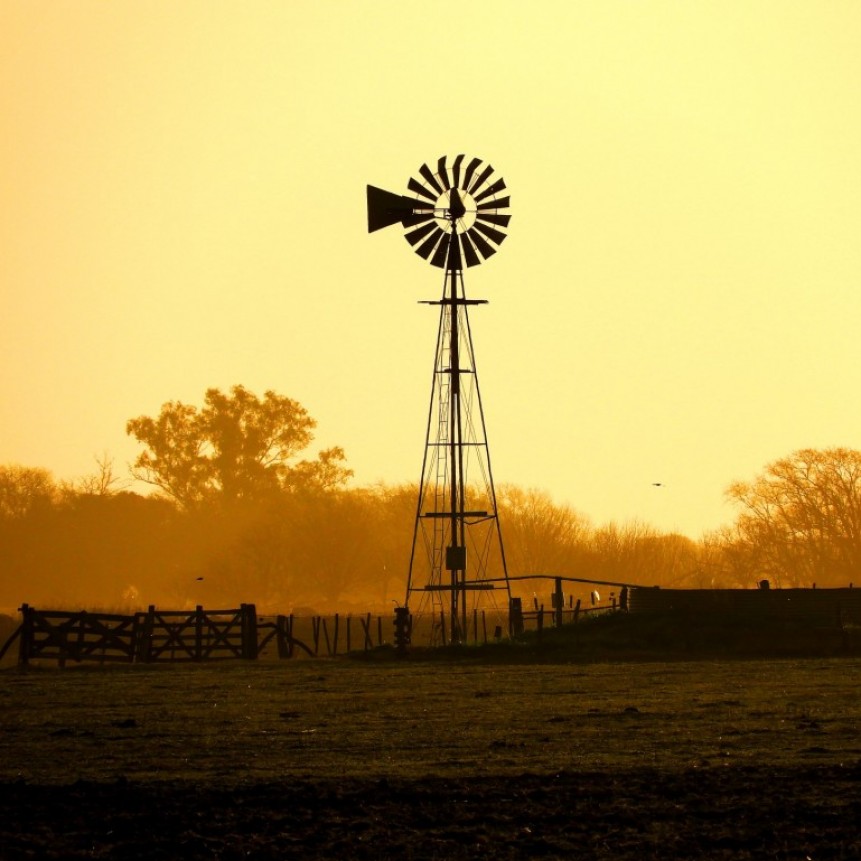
(158, 636)
(240, 634)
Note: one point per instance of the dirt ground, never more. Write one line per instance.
(329, 759)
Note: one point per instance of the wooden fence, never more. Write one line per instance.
(240, 634)
(814, 607)
(156, 636)
(197, 635)
(187, 635)
(61, 636)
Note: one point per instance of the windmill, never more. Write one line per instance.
(455, 219)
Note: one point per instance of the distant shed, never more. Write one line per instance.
(816, 606)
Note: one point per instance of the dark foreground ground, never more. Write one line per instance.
(341, 760)
(720, 812)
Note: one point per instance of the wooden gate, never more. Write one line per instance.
(63, 636)
(183, 635)
(197, 635)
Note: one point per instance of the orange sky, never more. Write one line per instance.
(183, 207)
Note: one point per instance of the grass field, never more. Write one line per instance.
(337, 758)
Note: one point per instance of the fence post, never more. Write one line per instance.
(25, 644)
(281, 637)
(515, 617)
(558, 602)
(442, 625)
(349, 620)
(379, 630)
(315, 626)
(76, 650)
(144, 648)
(402, 625)
(335, 634)
(326, 635)
(249, 632)
(198, 632)
(577, 611)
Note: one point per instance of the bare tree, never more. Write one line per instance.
(800, 521)
(103, 482)
(541, 536)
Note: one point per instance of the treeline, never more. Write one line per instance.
(327, 550)
(236, 517)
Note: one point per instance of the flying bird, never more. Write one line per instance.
(657, 484)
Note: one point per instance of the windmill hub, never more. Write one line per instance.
(462, 200)
(455, 210)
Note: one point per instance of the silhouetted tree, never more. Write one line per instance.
(87, 549)
(635, 552)
(718, 564)
(24, 489)
(238, 446)
(540, 536)
(103, 482)
(801, 519)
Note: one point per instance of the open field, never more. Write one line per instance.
(339, 759)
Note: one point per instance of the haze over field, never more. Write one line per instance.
(677, 301)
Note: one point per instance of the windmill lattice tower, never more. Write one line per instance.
(455, 219)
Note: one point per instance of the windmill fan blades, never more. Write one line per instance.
(498, 203)
(491, 233)
(414, 236)
(416, 218)
(442, 173)
(493, 218)
(415, 186)
(455, 219)
(469, 252)
(484, 247)
(470, 170)
(425, 171)
(499, 185)
(441, 254)
(455, 171)
(482, 178)
(427, 247)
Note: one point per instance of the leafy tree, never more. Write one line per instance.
(801, 518)
(237, 447)
(25, 489)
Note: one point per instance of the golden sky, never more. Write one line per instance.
(183, 194)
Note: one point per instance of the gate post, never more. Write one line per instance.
(26, 640)
(198, 632)
(249, 632)
(146, 635)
